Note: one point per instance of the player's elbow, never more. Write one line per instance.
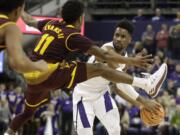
(13, 65)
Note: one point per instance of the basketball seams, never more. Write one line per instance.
(157, 119)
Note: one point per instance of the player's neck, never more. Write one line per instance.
(121, 52)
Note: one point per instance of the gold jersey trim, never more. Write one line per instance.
(7, 23)
(76, 33)
(36, 105)
(4, 16)
(73, 74)
(37, 77)
(70, 26)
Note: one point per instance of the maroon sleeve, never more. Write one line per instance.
(42, 23)
(78, 42)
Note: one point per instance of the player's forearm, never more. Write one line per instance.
(128, 93)
(127, 98)
(109, 56)
(29, 20)
(119, 58)
(23, 65)
(141, 101)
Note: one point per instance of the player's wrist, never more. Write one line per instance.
(141, 100)
(131, 61)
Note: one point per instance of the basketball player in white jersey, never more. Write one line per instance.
(92, 97)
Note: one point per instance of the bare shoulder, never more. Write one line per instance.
(13, 36)
(12, 32)
(8, 28)
(107, 46)
(12, 28)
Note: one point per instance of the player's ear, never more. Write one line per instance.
(130, 39)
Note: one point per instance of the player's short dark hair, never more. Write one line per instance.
(127, 25)
(7, 6)
(72, 10)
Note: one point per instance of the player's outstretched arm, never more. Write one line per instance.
(139, 101)
(113, 58)
(16, 56)
(29, 20)
(124, 95)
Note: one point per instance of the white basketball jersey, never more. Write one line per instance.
(95, 87)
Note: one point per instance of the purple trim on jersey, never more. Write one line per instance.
(83, 115)
(108, 102)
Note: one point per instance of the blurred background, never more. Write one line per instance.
(157, 28)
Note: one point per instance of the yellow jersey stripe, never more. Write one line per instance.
(76, 33)
(73, 74)
(70, 26)
(48, 23)
(36, 77)
(35, 105)
(5, 24)
(4, 16)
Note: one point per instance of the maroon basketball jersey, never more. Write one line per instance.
(58, 40)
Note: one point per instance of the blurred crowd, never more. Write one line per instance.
(55, 117)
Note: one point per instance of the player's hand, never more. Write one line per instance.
(142, 53)
(42, 66)
(151, 105)
(25, 16)
(29, 20)
(142, 61)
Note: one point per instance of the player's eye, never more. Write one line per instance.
(117, 35)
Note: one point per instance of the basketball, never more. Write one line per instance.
(152, 118)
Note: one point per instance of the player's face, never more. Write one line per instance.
(121, 39)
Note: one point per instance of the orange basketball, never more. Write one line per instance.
(152, 118)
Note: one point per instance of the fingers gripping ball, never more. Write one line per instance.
(150, 118)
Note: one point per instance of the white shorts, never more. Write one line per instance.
(104, 108)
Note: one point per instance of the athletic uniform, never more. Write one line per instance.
(58, 41)
(92, 98)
